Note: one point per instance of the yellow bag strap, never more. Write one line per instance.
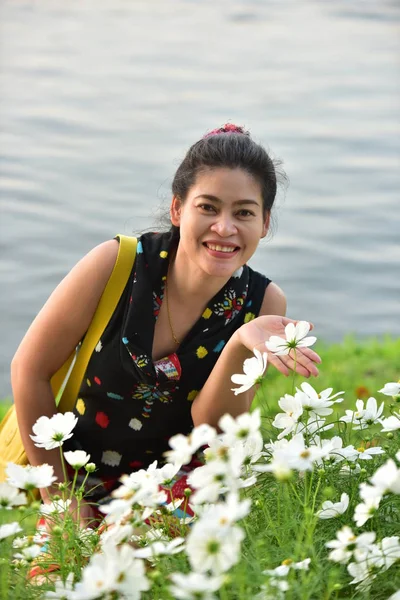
(68, 394)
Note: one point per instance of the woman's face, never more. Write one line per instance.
(221, 221)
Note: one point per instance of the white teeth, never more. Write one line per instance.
(220, 248)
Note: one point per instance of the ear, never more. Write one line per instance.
(266, 225)
(175, 211)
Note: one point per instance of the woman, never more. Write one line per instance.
(191, 313)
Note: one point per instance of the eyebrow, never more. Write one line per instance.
(219, 201)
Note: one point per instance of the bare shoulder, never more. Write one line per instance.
(274, 302)
(66, 316)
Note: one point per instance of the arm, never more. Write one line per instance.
(49, 341)
(216, 398)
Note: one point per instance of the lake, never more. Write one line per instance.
(101, 99)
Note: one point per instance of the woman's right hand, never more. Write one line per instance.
(255, 333)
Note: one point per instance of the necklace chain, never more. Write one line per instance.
(177, 342)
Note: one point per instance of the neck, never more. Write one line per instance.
(190, 283)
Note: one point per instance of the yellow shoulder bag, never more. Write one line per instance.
(67, 381)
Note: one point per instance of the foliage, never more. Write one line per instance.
(266, 509)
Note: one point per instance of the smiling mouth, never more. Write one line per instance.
(218, 248)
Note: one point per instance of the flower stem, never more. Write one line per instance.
(63, 468)
(294, 371)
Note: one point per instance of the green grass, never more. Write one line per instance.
(360, 368)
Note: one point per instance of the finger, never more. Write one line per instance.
(304, 359)
(302, 364)
(310, 354)
(278, 364)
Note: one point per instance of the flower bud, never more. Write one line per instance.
(187, 492)
(337, 586)
(363, 472)
(35, 505)
(321, 472)
(328, 492)
(389, 435)
(57, 530)
(90, 467)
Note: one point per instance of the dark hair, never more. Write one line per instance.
(230, 147)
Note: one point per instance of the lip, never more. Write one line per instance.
(218, 253)
(219, 243)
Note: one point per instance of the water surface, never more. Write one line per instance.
(100, 100)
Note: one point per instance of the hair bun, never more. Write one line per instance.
(228, 128)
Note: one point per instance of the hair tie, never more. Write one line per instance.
(227, 128)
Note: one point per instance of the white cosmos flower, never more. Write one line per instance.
(362, 574)
(28, 553)
(211, 480)
(278, 467)
(52, 433)
(295, 338)
(159, 548)
(9, 529)
(390, 550)
(62, 590)
(298, 455)
(368, 492)
(254, 369)
(165, 475)
(366, 510)
(317, 403)
(241, 428)
(55, 507)
(77, 458)
(346, 542)
(395, 596)
(334, 451)
(117, 534)
(364, 417)
(225, 514)
(331, 510)
(183, 447)
(287, 565)
(116, 510)
(391, 389)
(288, 419)
(392, 423)
(10, 496)
(212, 548)
(194, 586)
(372, 413)
(355, 416)
(368, 453)
(387, 478)
(27, 478)
(115, 569)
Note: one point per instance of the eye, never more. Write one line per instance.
(207, 207)
(244, 212)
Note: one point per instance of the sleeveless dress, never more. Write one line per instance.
(129, 406)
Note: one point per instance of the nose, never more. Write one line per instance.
(224, 226)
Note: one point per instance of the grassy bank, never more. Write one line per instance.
(359, 367)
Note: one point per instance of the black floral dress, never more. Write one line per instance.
(129, 406)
